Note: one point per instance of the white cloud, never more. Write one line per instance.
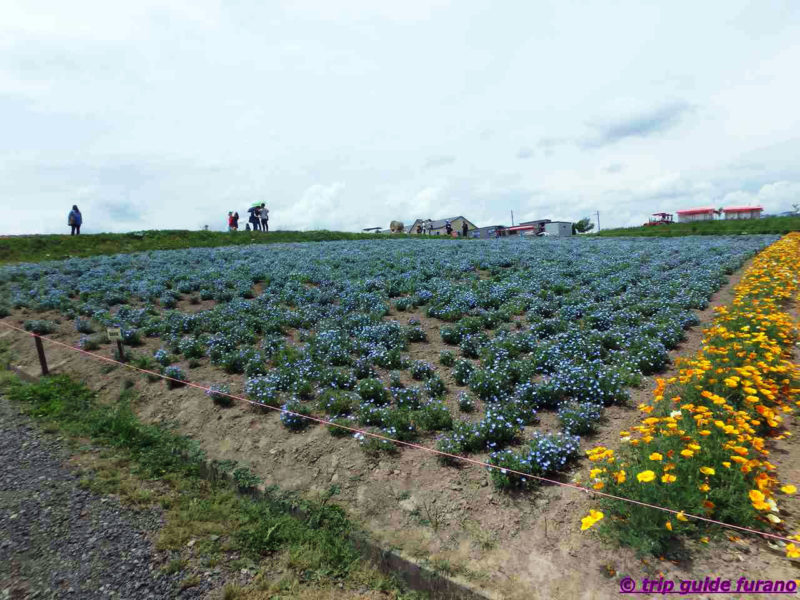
(188, 109)
(773, 197)
(320, 207)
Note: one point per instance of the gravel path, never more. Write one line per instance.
(60, 541)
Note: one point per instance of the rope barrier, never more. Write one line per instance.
(434, 451)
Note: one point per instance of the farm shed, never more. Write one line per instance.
(489, 231)
(522, 230)
(742, 212)
(539, 223)
(438, 227)
(688, 215)
(529, 227)
(558, 228)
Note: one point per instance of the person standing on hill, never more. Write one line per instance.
(75, 220)
(448, 227)
(235, 221)
(254, 218)
(264, 216)
(464, 229)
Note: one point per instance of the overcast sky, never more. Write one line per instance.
(348, 114)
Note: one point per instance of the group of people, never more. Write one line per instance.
(259, 219)
(425, 228)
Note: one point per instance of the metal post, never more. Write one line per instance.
(40, 352)
(121, 351)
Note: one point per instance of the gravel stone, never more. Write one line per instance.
(60, 541)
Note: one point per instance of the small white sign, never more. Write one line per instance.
(114, 333)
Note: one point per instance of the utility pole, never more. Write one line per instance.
(512, 218)
(598, 220)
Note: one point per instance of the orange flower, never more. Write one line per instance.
(757, 498)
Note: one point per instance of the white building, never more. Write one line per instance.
(742, 212)
(558, 228)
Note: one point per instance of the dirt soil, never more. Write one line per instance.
(510, 546)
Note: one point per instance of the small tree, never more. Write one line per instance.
(583, 226)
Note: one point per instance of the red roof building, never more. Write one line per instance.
(696, 214)
(743, 212)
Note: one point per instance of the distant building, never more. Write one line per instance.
(529, 227)
(490, 231)
(742, 212)
(558, 228)
(438, 227)
(696, 214)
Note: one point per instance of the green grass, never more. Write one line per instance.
(37, 248)
(146, 465)
(773, 225)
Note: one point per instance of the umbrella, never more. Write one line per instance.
(255, 204)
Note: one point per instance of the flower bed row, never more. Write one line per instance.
(703, 445)
(561, 325)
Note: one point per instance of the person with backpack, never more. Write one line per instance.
(448, 228)
(235, 221)
(75, 220)
(263, 214)
(254, 217)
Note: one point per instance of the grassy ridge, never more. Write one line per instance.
(37, 248)
(774, 225)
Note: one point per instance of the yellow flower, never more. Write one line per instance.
(646, 476)
(668, 478)
(656, 456)
(757, 498)
(687, 453)
(704, 487)
(593, 517)
(669, 525)
(788, 489)
(707, 471)
(681, 516)
(619, 476)
(792, 551)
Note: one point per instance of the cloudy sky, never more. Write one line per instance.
(348, 114)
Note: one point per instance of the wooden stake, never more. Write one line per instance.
(40, 352)
(121, 351)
